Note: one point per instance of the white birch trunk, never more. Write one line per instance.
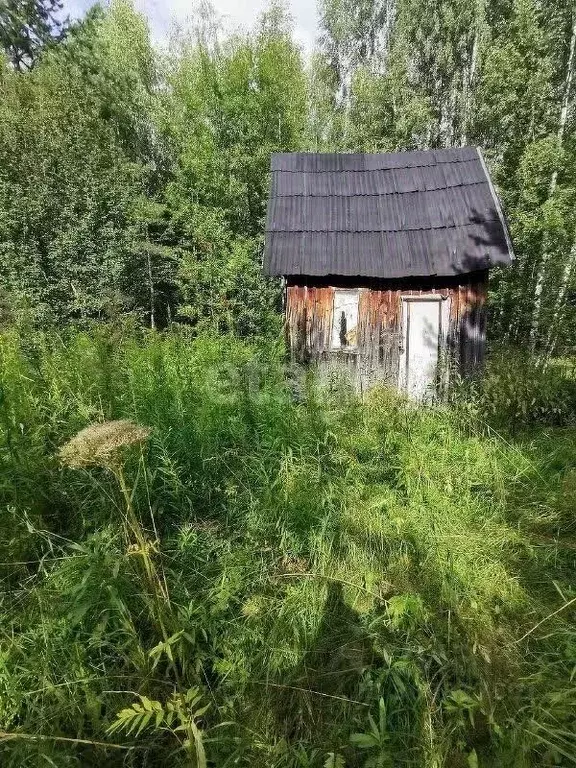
(553, 182)
(151, 288)
(447, 116)
(559, 305)
(468, 84)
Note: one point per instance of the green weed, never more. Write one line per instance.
(270, 579)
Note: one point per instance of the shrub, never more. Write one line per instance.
(515, 390)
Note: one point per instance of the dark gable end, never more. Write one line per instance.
(390, 215)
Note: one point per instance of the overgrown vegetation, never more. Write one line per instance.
(133, 181)
(278, 575)
(205, 558)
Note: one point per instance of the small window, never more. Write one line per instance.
(345, 320)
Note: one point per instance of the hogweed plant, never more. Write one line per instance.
(105, 445)
(102, 444)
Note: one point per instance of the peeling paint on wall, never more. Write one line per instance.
(310, 322)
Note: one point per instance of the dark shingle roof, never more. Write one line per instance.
(388, 215)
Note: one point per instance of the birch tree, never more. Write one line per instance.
(560, 290)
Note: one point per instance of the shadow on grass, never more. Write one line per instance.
(323, 688)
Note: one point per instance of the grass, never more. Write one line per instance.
(279, 575)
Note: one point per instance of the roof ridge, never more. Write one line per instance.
(371, 170)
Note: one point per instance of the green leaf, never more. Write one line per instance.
(472, 759)
(334, 760)
(364, 740)
(144, 722)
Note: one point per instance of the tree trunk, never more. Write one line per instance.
(469, 75)
(536, 315)
(559, 305)
(151, 289)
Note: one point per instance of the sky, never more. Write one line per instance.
(235, 13)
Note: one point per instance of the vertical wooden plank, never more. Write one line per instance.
(308, 326)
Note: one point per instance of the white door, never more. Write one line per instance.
(422, 328)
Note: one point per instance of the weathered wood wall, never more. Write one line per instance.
(309, 308)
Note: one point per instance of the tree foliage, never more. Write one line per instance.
(27, 27)
(135, 182)
(500, 75)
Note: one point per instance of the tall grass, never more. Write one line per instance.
(328, 582)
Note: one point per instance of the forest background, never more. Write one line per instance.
(134, 181)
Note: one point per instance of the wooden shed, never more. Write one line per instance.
(385, 259)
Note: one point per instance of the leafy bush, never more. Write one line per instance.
(515, 390)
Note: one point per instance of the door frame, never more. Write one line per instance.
(443, 322)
